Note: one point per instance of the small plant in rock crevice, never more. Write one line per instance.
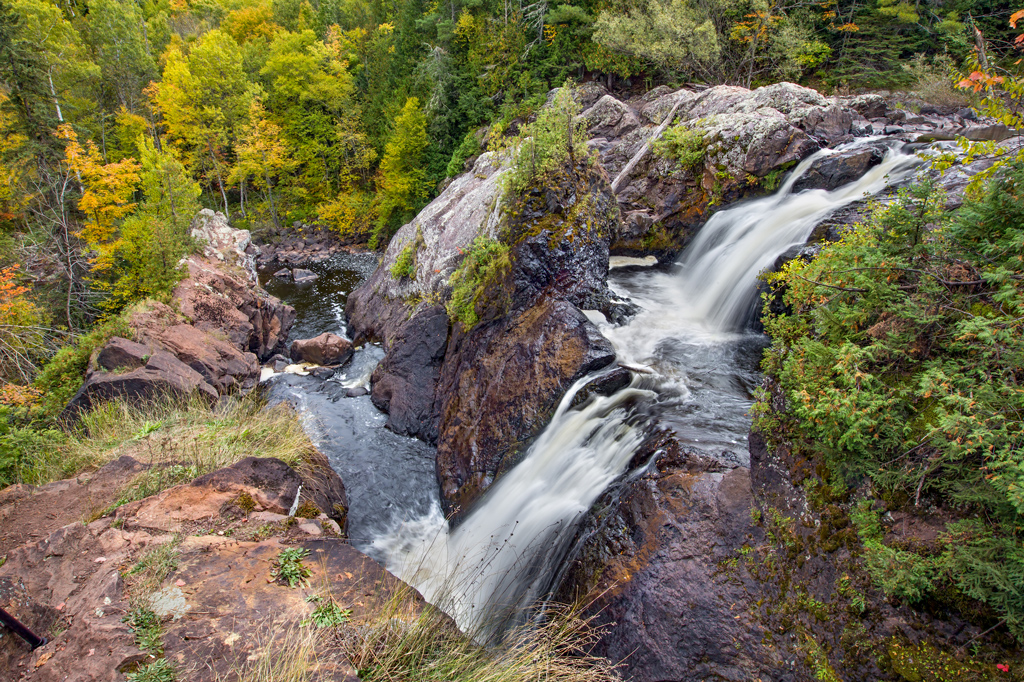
(485, 262)
(160, 670)
(148, 631)
(289, 567)
(327, 614)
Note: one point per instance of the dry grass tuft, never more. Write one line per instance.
(184, 432)
(397, 644)
(290, 655)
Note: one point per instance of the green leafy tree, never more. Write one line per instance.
(203, 101)
(116, 33)
(24, 75)
(262, 156)
(152, 241)
(676, 35)
(402, 185)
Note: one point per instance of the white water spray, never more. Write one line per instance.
(500, 560)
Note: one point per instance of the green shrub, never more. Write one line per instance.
(901, 358)
(160, 670)
(289, 566)
(485, 262)
(557, 136)
(684, 144)
(405, 264)
(469, 148)
(63, 375)
(328, 615)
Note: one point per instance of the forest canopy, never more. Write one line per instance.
(120, 118)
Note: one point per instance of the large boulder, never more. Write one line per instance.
(220, 299)
(609, 117)
(439, 237)
(326, 349)
(748, 137)
(836, 170)
(221, 363)
(122, 354)
(499, 386)
(652, 571)
(162, 376)
(224, 243)
(484, 391)
(404, 382)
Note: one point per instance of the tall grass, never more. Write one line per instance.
(290, 655)
(397, 643)
(182, 431)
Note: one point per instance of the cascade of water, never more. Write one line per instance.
(501, 558)
(498, 561)
(713, 292)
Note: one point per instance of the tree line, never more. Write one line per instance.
(120, 118)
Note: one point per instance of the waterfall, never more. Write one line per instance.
(495, 564)
(500, 559)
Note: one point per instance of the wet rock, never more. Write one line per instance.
(996, 132)
(868, 106)
(221, 364)
(841, 168)
(356, 392)
(322, 372)
(653, 562)
(301, 276)
(283, 273)
(606, 385)
(279, 362)
(404, 382)
(326, 349)
(163, 375)
(122, 354)
(487, 390)
(499, 386)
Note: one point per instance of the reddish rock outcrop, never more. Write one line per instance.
(217, 300)
(221, 364)
(163, 375)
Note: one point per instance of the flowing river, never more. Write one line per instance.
(698, 362)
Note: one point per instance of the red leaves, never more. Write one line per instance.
(978, 80)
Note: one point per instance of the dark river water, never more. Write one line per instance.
(388, 478)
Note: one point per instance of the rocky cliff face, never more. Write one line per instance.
(482, 392)
(748, 138)
(210, 340)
